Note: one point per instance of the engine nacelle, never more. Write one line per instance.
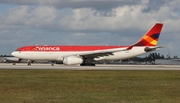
(71, 60)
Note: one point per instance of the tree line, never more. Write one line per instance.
(151, 57)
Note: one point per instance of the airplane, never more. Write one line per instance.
(10, 59)
(85, 55)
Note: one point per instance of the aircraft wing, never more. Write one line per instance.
(108, 52)
(101, 53)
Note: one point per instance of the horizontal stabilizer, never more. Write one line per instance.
(149, 49)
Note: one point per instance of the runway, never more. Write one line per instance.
(97, 67)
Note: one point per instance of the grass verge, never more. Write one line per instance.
(68, 86)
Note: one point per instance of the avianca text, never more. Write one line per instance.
(47, 48)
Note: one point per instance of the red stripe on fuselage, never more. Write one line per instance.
(66, 48)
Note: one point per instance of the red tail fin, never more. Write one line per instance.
(151, 37)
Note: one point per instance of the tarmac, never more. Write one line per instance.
(24, 66)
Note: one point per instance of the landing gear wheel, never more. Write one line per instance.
(28, 62)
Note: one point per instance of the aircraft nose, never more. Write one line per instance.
(14, 53)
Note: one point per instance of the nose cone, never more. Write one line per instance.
(14, 53)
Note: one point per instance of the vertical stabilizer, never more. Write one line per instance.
(151, 37)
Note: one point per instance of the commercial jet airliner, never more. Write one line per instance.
(84, 55)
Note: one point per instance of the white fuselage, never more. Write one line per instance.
(59, 55)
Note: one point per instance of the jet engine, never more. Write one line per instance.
(71, 60)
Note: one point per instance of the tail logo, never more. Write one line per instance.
(153, 39)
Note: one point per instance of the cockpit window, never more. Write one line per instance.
(17, 50)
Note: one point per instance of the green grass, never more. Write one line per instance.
(68, 86)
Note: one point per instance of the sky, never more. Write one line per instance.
(87, 22)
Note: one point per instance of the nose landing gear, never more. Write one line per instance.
(29, 62)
